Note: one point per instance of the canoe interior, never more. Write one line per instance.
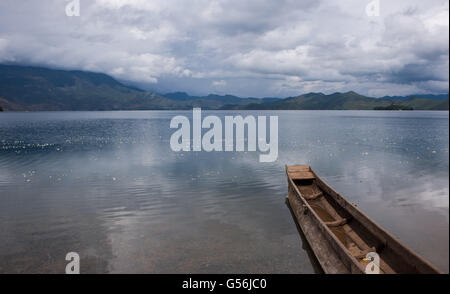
(349, 232)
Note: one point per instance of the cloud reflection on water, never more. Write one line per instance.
(117, 194)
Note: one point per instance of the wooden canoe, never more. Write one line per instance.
(341, 235)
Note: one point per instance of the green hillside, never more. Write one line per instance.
(342, 101)
(425, 104)
(32, 88)
(24, 88)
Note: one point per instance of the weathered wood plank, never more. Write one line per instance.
(296, 168)
(302, 175)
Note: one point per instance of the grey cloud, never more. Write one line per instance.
(248, 48)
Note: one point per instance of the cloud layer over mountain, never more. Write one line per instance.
(247, 48)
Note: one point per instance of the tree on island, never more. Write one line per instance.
(1, 109)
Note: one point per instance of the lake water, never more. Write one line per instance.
(108, 186)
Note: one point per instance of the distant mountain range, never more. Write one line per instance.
(424, 96)
(25, 88)
(215, 101)
(345, 101)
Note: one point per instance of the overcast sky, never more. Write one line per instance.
(257, 48)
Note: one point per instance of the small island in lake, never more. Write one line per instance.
(393, 107)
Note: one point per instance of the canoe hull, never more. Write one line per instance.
(340, 235)
(325, 254)
(319, 240)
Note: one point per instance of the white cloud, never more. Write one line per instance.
(220, 83)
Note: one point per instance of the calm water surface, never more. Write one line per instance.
(108, 186)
